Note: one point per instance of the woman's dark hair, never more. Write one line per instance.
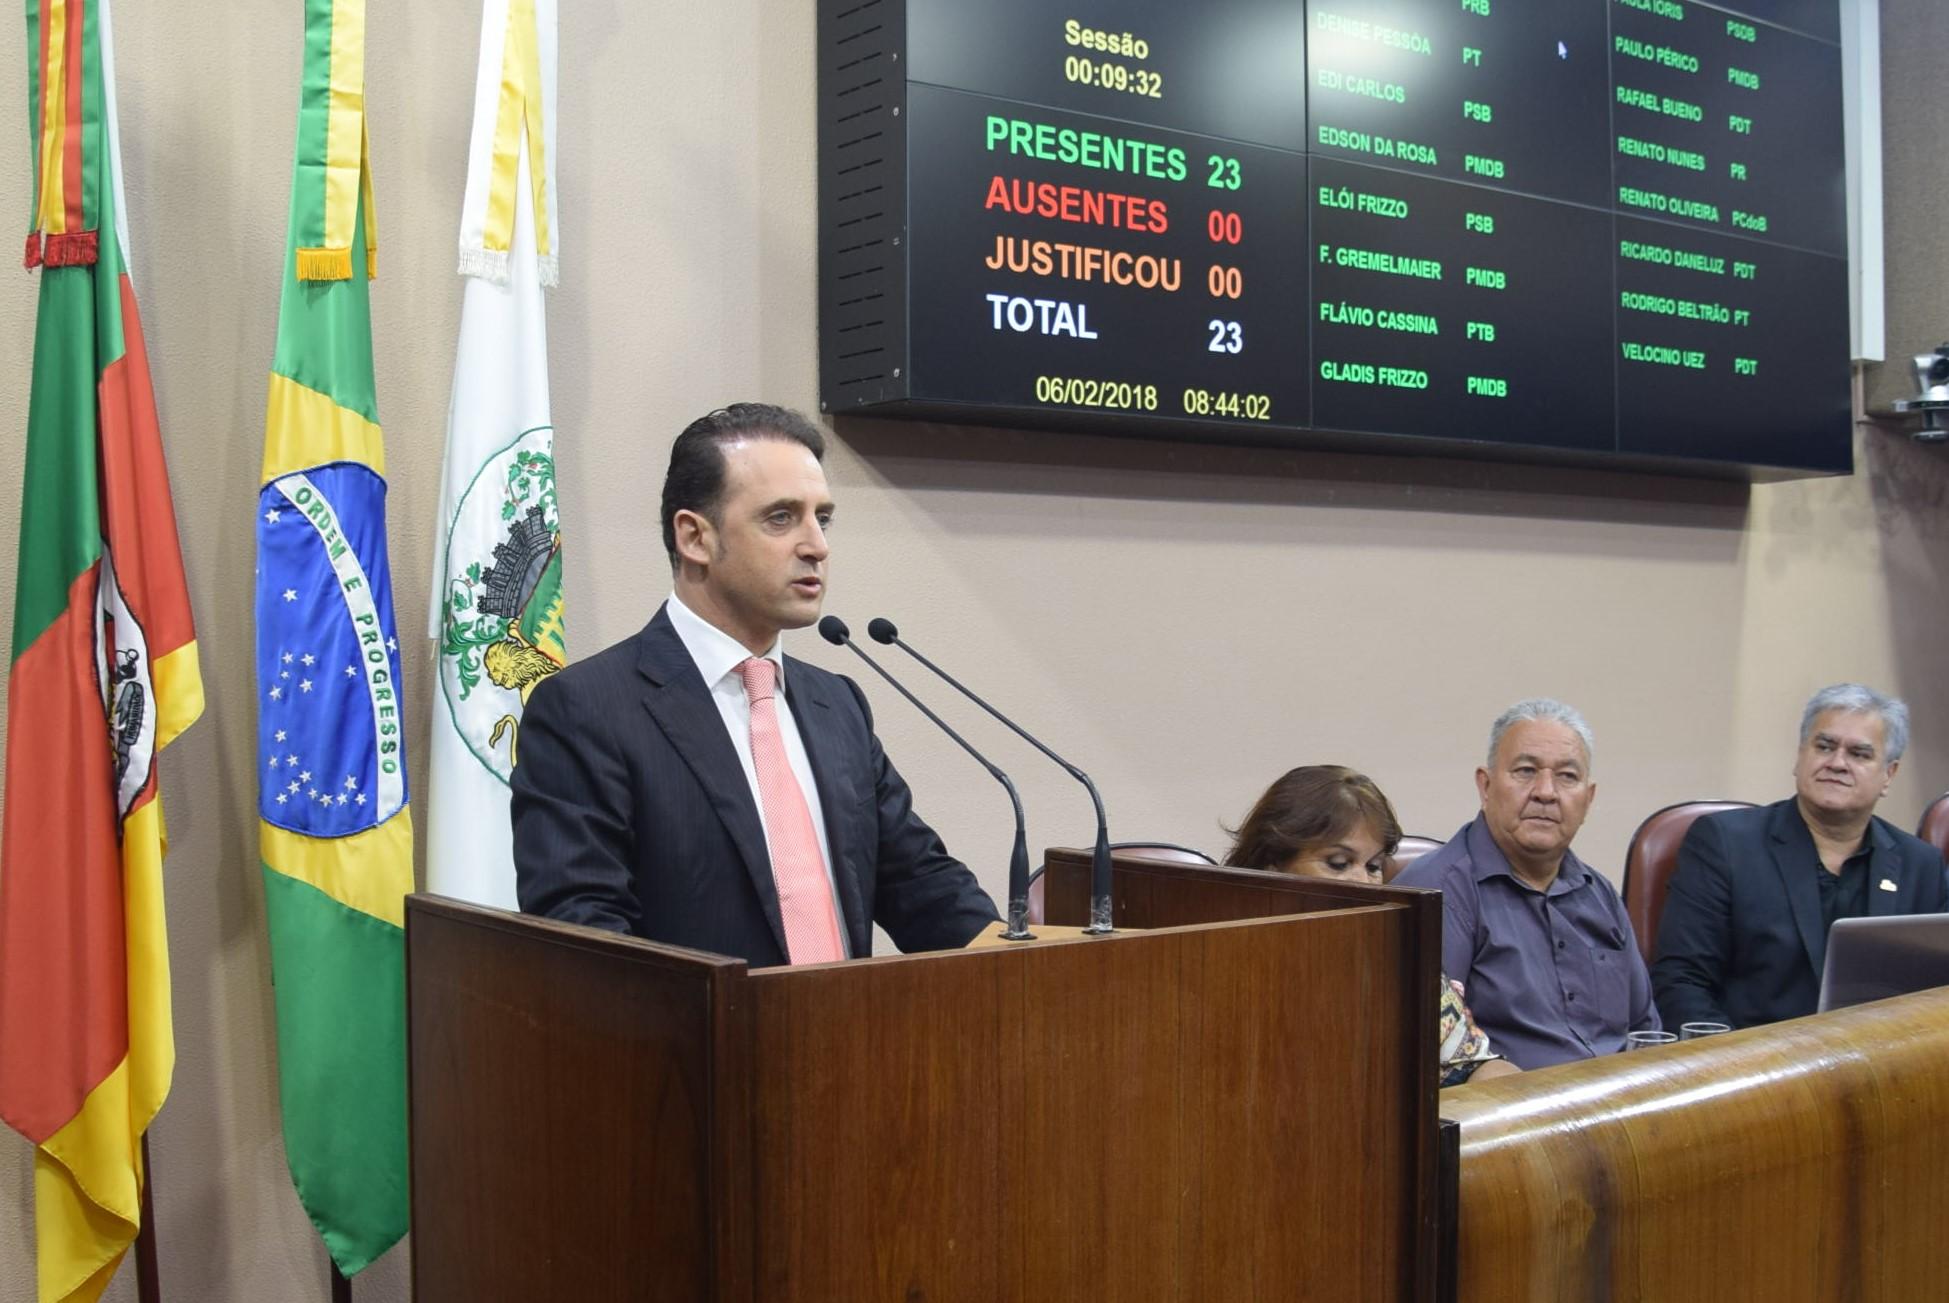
(695, 480)
(1314, 805)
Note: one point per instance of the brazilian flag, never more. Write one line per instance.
(335, 834)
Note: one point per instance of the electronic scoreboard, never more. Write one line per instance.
(1576, 228)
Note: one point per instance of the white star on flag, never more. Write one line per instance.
(392, 644)
(305, 684)
(351, 672)
(277, 694)
(351, 782)
(278, 736)
(360, 798)
(341, 798)
(287, 658)
(272, 515)
(305, 777)
(274, 762)
(292, 761)
(282, 798)
(290, 594)
(293, 787)
(308, 659)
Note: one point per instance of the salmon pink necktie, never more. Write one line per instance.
(804, 891)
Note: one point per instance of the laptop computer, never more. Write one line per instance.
(1874, 958)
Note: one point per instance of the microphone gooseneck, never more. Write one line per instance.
(883, 630)
(833, 630)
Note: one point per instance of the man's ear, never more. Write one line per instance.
(1482, 786)
(696, 537)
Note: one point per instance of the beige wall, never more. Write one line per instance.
(1184, 623)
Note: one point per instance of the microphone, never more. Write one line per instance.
(833, 630)
(882, 630)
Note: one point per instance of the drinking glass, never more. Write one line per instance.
(1647, 1040)
(1691, 1031)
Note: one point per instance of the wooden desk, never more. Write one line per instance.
(1807, 1162)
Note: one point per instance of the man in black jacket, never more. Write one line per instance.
(695, 786)
(1743, 937)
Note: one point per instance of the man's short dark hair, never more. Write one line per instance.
(695, 480)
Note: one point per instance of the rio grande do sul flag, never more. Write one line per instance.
(335, 835)
(104, 677)
(497, 562)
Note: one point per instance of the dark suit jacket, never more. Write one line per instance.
(1741, 940)
(631, 812)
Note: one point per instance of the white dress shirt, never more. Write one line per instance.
(717, 656)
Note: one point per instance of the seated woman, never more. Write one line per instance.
(1326, 821)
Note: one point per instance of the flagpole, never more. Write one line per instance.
(148, 1281)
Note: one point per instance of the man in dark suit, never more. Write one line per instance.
(691, 784)
(1743, 938)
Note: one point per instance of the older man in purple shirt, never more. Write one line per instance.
(1539, 939)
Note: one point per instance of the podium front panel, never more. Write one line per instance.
(1195, 1114)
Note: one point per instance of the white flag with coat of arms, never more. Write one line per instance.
(496, 610)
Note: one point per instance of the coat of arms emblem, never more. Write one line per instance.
(501, 630)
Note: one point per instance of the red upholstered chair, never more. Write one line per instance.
(1649, 863)
(1149, 850)
(1934, 828)
(1410, 850)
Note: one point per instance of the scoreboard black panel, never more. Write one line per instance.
(1563, 228)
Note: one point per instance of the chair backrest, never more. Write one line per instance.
(1648, 864)
(1151, 850)
(1410, 850)
(1164, 851)
(1934, 827)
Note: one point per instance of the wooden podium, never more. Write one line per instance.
(1236, 1103)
